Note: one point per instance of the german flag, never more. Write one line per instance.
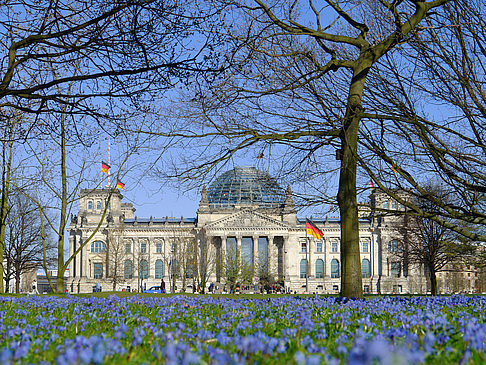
(372, 184)
(105, 167)
(120, 185)
(313, 230)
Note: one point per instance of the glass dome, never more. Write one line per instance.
(245, 185)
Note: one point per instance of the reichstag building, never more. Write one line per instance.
(246, 232)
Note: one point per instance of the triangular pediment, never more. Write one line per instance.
(247, 218)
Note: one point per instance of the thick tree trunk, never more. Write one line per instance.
(7, 164)
(17, 280)
(62, 223)
(433, 282)
(351, 281)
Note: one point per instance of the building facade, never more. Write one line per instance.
(246, 232)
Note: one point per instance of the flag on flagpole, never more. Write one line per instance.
(313, 230)
(105, 167)
(394, 169)
(372, 184)
(120, 185)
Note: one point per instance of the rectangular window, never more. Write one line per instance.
(335, 287)
(303, 247)
(143, 248)
(395, 269)
(98, 271)
(158, 248)
(397, 289)
(366, 289)
(319, 246)
(334, 247)
(128, 248)
(365, 246)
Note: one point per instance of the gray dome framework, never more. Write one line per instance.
(245, 185)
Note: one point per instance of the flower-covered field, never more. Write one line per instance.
(198, 330)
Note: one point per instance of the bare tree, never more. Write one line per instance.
(23, 244)
(93, 61)
(295, 94)
(232, 266)
(425, 118)
(427, 243)
(116, 257)
(205, 259)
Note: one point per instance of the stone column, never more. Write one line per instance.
(286, 270)
(72, 249)
(272, 256)
(223, 247)
(83, 258)
(238, 246)
(255, 252)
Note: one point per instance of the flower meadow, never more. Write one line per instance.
(220, 330)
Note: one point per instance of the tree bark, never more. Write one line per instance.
(351, 281)
(6, 170)
(433, 281)
(17, 279)
(61, 266)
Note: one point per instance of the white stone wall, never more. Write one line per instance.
(239, 222)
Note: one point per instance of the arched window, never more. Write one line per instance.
(385, 205)
(319, 268)
(144, 269)
(90, 205)
(303, 268)
(365, 268)
(128, 269)
(334, 268)
(98, 205)
(98, 246)
(159, 269)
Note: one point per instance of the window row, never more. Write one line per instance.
(100, 246)
(319, 266)
(174, 266)
(98, 205)
(392, 205)
(365, 246)
(143, 269)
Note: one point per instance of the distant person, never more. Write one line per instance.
(162, 286)
(34, 287)
(211, 287)
(98, 287)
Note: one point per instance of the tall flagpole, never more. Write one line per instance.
(109, 161)
(306, 259)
